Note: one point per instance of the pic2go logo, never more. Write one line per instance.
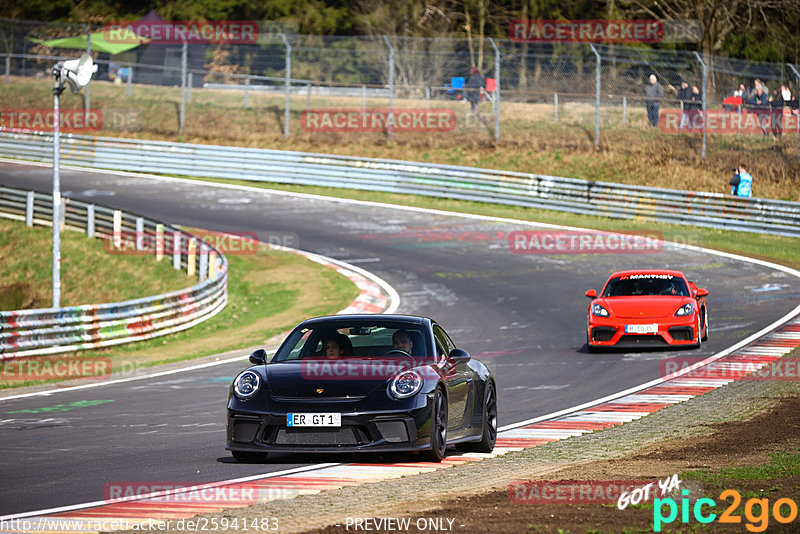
(783, 510)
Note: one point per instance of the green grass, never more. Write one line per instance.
(781, 465)
(89, 274)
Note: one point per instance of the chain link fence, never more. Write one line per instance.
(263, 89)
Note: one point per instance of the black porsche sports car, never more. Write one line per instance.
(362, 383)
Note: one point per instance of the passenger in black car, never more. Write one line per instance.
(337, 345)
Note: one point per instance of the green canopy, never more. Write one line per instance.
(126, 42)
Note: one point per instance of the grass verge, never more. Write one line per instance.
(268, 292)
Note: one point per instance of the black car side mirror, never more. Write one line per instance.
(459, 355)
(259, 357)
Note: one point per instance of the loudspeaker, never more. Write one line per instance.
(78, 72)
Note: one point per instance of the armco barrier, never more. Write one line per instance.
(713, 210)
(57, 330)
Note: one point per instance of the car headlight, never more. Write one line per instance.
(686, 309)
(405, 384)
(599, 311)
(246, 385)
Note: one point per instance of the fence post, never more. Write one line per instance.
(555, 106)
(624, 110)
(87, 99)
(287, 83)
(29, 209)
(182, 118)
(139, 233)
(90, 220)
(798, 116)
(176, 250)
(159, 241)
(130, 77)
(427, 98)
(496, 101)
(203, 270)
(189, 88)
(191, 253)
(703, 65)
(246, 91)
(116, 230)
(8, 66)
(596, 98)
(390, 118)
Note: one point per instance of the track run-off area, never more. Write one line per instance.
(524, 315)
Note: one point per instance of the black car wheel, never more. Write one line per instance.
(705, 324)
(489, 436)
(438, 428)
(250, 457)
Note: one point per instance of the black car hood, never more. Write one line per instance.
(322, 378)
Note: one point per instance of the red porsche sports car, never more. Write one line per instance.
(647, 308)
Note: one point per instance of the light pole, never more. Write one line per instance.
(77, 73)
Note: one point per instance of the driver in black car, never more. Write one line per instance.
(401, 340)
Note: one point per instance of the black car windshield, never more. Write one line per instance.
(360, 340)
(645, 284)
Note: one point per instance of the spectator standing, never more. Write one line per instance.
(652, 96)
(786, 94)
(684, 96)
(776, 102)
(695, 105)
(759, 103)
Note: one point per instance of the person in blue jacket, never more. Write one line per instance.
(742, 182)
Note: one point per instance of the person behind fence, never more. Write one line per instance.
(741, 182)
(776, 120)
(474, 88)
(653, 94)
(759, 104)
(684, 96)
(695, 104)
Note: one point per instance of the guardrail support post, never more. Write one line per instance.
(159, 242)
(204, 251)
(139, 233)
(555, 106)
(90, 220)
(8, 66)
(29, 209)
(703, 65)
(596, 98)
(496, 101)
(191, 255)
(182, 118)
(189, 88)
(624, 110)
(287, 84)
(212, 264)
(390, 118)
(246, 91)
(116, 232)
(176, 250)
(798, 116)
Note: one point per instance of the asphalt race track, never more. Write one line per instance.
(522, 314)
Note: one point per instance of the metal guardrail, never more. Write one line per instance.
(713, 210)
(57, 330)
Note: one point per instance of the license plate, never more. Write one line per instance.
(641, 328)
(314, 419)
